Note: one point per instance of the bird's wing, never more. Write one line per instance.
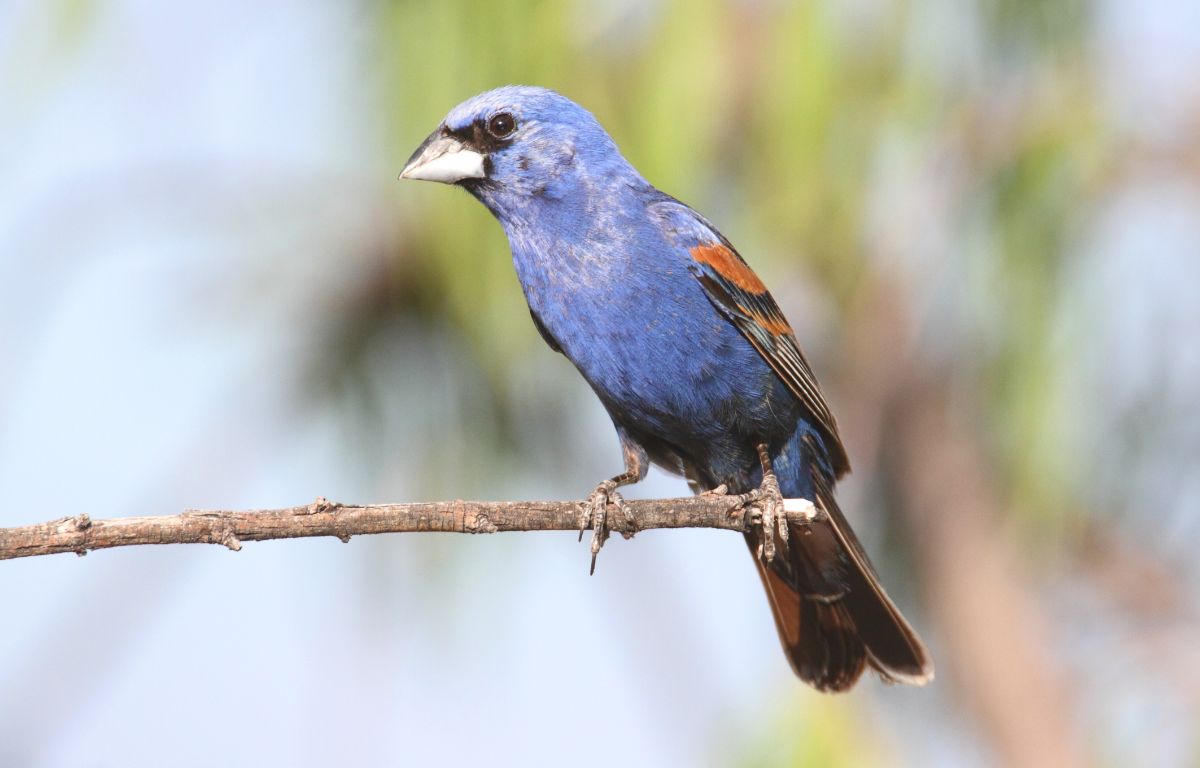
(737, 293)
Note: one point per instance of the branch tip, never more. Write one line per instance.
(800, 511)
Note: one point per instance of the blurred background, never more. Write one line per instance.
(982, 218)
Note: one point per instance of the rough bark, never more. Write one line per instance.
(81, 534)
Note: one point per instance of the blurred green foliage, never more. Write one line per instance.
(834, 736)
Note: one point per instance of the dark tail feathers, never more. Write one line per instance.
(833, 615)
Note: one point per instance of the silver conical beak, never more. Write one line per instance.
(445, 159)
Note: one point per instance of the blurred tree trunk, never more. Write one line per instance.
(982, 601)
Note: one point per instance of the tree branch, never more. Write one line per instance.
(81, 534)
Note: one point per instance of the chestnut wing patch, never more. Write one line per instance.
(739, 294)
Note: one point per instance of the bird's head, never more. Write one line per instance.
(516, 143)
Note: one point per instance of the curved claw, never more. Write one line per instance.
(595, 516)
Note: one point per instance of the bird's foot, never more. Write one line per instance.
(720, 490)
(768, 509)
(594, 515)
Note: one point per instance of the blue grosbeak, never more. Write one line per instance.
(688, 352)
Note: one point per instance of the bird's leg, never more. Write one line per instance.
(768, 500)
(594, 510)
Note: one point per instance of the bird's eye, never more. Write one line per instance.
(502, 125)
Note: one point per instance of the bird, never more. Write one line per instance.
(689, 354)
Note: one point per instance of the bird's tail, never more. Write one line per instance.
(833, 616)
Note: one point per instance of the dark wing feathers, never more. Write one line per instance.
(758, 317)
(737, 292)
(832, 625)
